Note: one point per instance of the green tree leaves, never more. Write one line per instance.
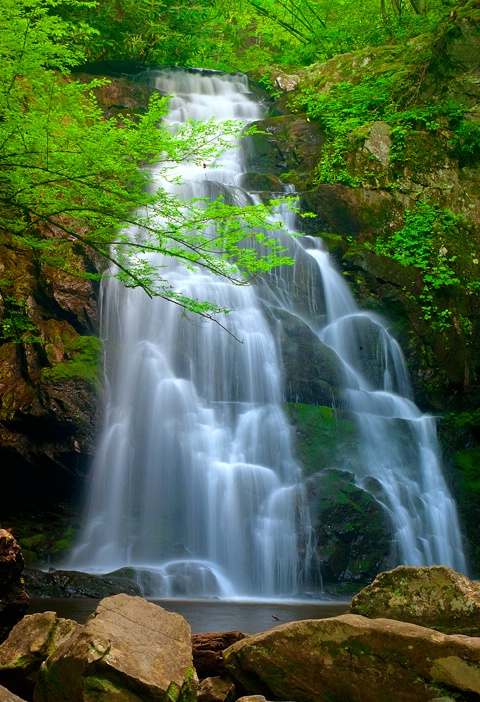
(69, 177)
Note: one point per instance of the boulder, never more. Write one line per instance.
(216, 689)
(353, 658)
(13, 596)
(128, 650)
(208, 652)
(435, 597)
(29, 643)
(7, 696)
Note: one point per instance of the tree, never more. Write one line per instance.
(69, 177)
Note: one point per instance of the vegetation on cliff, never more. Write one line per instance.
(71, 177)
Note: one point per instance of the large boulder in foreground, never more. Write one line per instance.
(129, 650)
(13, 596)
(7, 696)
(353, 658)
(435, 596)
(30, 643)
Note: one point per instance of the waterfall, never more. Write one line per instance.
(399, 444)
(399, 448)
(195, 484)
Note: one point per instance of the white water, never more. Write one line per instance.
(194, 483)
(399, 448)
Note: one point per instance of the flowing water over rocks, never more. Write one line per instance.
(195, 485)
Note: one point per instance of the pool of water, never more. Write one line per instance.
(202, 615)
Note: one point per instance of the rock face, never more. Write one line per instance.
(13, 596)
(30, 643)
(70, 583)
(129, 650)
(353, 532)
(354, 658)
(434, 597)
(208, 652)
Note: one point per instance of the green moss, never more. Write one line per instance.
(31, 542)
(99, 688)
(468, 462)
(82, 361)
(467, 494)
(324, 436)
(65, 543)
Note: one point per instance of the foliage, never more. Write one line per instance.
(420, 243)
(466, 142)
(69, 176)
(151, 31)
(16, 326)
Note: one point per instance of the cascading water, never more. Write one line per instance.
(194, 482)
(399, 443)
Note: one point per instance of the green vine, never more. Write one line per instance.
(420, 244)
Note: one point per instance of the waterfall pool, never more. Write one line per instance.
(206, 615)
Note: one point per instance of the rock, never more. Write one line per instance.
(7, 696)
(353, 658)
(352, 530)
(128, 650)
(207, 652)
(29, 643)
(435, 597)
(216, 689)
(311, 368)
(13, 596)
(71, 583)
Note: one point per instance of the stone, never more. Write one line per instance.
(354, 658)
(7, 696)
(216, 689)
(129, 650)
(29, 643)
(352, 529)
(13, 596)
(71, 583)
(435, 597)
(207, 652)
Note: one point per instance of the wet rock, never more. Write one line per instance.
(29, 643)
(352, 530)
(216, 689)
(71, 583)
(129, 649)
(208, 649)
(354, 658)
(13, 596)
(436, 597)
(311, 368)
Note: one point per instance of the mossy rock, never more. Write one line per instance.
(351, 527)
(81, 361)
(324, 437)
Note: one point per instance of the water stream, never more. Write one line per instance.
(195, 484)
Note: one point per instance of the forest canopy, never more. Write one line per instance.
(70, 177)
